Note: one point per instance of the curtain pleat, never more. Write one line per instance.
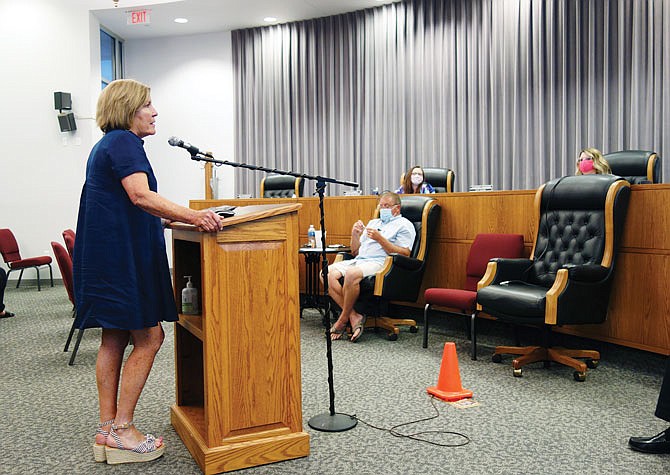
(504, 92)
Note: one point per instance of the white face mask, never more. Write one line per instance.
(385, 214)
(417, 180)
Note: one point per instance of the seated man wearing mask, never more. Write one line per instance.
(390, 233)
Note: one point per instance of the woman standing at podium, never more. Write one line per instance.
(121, 275)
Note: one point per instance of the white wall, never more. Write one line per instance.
(191, 79)
(49, 46)
(44, 48)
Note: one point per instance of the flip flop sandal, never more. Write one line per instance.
(360, 328)
(144, 452)
(7, 314)
(99, 449)
(336, 334)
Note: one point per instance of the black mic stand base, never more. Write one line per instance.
(328, 422)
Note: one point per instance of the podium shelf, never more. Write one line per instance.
(192, 323)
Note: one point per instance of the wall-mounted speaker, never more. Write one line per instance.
(67, 122)
(62, 101)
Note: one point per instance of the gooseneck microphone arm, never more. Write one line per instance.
(330, 421)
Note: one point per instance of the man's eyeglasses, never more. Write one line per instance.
(386, 205)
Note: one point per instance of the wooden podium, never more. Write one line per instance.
(237, 363)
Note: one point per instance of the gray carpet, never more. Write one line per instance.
(543, 423)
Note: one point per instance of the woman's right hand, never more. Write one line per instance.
(207, 220)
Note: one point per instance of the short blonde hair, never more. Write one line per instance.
(599, 163)
(118, 103)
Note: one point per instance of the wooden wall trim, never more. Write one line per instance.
(639, 310)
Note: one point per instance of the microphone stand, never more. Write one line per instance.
(330, 421)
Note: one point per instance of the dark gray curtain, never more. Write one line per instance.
(504, 92)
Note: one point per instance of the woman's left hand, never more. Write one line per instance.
(207, 220)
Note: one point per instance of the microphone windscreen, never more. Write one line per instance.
(174, 141)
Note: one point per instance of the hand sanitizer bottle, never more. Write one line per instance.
(189, 298)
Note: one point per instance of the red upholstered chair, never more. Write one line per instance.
(10, 253)
(484, 248)
(68, 237)
(65, 266)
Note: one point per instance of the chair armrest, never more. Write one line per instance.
(399, 279)
(511, 269)
(587, 273)
(406, 263)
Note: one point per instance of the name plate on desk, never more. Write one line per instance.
(481, 187)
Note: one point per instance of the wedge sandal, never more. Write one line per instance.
(145, 452)
(99, 452)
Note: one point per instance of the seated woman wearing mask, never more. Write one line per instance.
(412, 182)
(591, 162)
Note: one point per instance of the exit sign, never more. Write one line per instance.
(139, 17)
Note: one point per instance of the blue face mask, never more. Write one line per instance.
(385, 215)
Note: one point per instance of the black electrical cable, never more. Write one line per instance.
(416, 436)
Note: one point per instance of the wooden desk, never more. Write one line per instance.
(639, 313)
(239, 399)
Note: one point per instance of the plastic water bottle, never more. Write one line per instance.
(311, 236)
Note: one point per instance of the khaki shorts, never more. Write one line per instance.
(367, 267)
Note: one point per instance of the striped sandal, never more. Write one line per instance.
(99, 452)
(144, 452)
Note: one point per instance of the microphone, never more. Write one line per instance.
(192, 149)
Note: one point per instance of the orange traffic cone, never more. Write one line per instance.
(449, 382)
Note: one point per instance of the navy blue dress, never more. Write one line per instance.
(121, 273)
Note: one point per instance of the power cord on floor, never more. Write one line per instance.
(416, 436)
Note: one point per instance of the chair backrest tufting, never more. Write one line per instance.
(573, 225)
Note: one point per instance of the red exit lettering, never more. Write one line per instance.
(139, 17)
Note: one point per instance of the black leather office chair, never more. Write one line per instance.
(441, 179)
(636, 166)
(568, 279)
(281, 186)
(400, 279)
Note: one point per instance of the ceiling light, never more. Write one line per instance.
(181, 20)
(269, 19)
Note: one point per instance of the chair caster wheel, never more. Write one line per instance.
(413, 329)
(579, 376)
(496, 358)
(517, 372)
(592, 363)
(392, 337)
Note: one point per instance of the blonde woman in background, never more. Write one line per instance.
(592, 162)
